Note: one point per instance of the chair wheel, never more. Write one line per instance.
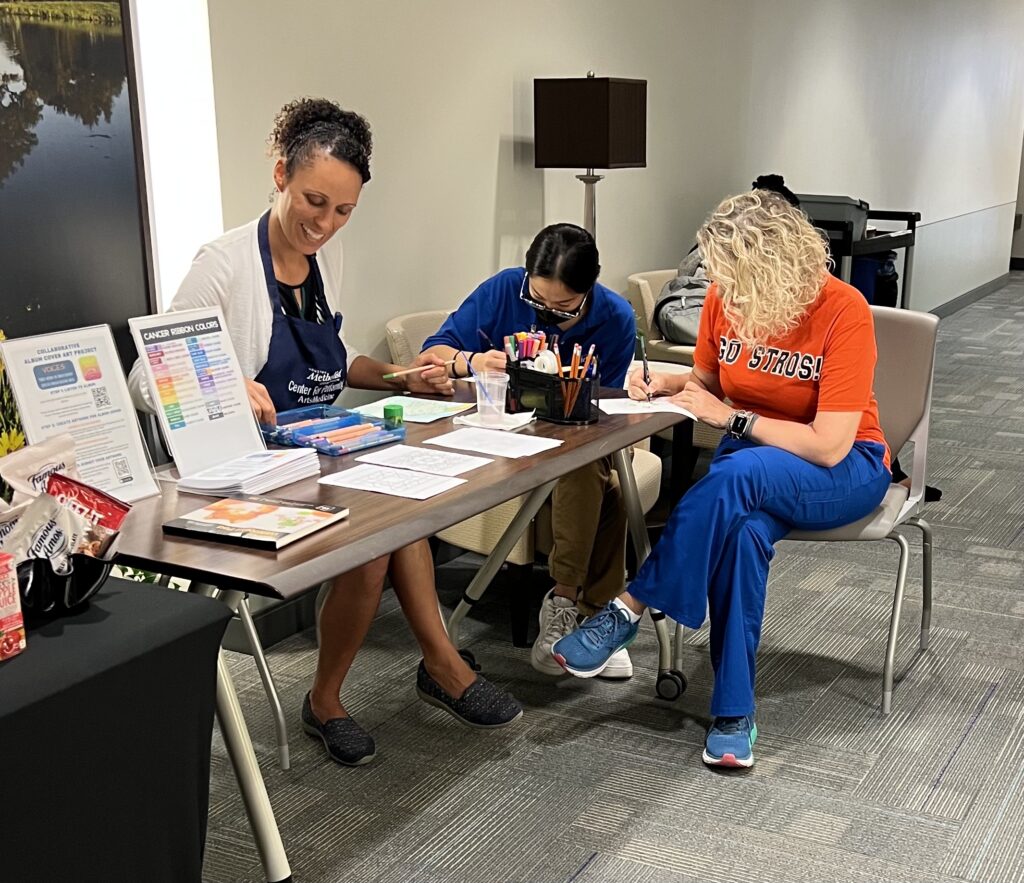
(470, 660)
(671, 685)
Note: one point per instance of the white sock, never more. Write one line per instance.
(633, 617)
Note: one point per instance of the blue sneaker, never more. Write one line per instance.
(586, 651)
(730, 742)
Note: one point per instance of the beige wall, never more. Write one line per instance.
(917, 105)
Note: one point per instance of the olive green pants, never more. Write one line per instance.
(588, 526)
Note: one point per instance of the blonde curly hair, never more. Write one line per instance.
(768, 261)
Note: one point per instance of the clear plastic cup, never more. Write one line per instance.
(490, 396)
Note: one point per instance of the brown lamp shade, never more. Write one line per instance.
(590, 123)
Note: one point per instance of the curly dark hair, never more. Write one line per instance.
(308, 125)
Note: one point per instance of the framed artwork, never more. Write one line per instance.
(74, 239)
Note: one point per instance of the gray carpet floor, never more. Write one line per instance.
(603, 782)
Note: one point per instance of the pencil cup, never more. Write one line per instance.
(557, 400)
(490, 396)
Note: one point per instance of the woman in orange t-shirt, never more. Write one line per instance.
(793, 349)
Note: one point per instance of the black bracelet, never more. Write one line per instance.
(467, 357)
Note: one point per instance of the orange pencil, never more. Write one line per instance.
(347, 432)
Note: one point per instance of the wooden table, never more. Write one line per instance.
(377, 524)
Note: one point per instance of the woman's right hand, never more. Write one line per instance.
(259, 400)
(660, 384)
(491, 360)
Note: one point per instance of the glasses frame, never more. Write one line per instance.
(526, 296)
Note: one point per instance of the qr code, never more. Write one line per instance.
(122, 470)
(100, 397)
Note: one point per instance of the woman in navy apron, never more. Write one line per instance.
(323, 161)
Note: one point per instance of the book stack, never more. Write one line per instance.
(254, 473)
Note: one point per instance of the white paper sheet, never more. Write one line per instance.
(197, 387)
(72, 382)
(631, 406)
(425, 460)
(495, 442)
(394, 482)
(509, 422)
(415, 410)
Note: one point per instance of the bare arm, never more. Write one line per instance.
(825, 441)
(491, 360)
(663, 383)
(368, 373)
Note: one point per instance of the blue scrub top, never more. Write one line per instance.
(496, 309)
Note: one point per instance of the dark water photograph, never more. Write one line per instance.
(71, 245)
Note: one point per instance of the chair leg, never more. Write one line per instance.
(894, 622)
(281, 728)
(926, 578)
(520, 581)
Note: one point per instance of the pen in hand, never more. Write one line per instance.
(647, 367)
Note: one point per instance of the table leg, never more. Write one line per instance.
(531, 506)
(642, 547)
(246, 767)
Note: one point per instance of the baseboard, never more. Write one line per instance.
(964, 300)
(1017, 263)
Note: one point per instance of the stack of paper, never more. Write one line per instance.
(254, 473)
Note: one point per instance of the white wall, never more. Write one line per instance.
(917, 105)
(914, 106)
(1017, 249)
(179, 134)
(448, 89)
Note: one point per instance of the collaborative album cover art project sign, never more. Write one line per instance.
(197, 387)
(72, 382)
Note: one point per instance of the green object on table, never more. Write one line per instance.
(393, 417)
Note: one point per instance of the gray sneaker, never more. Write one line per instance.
(558, 617)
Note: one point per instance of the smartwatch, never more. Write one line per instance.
(740, 424)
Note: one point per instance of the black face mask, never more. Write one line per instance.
(546, 317)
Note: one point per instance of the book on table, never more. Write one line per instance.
(259, 522)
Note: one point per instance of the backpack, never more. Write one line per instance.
(678, 307)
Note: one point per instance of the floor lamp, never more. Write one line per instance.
(591, 123)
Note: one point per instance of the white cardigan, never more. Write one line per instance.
(228, 273)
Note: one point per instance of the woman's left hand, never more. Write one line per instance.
(703, 405)
(433, 380)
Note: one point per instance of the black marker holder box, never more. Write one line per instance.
(543, 393)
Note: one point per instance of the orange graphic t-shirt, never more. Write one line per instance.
(827, 363)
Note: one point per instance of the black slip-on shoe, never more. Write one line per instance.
(345, 741)
(482, 705)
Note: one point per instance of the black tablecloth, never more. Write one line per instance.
(105, 725)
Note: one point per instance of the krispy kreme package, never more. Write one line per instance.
(12, 626)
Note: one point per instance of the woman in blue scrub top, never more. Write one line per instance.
(278, 300)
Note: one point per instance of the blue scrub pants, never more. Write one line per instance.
(715, 550)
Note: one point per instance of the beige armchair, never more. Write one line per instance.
(405, 336)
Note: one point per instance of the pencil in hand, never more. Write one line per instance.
(405, 371)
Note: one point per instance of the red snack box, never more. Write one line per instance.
(12, 626)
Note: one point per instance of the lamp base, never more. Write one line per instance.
(590, 201)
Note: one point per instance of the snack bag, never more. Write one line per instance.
(9, 518)
(12, 626)
(103, 514)
(28, 469)
(45, 530)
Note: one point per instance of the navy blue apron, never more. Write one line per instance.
(306, 364)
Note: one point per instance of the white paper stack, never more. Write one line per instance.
(254, 473)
